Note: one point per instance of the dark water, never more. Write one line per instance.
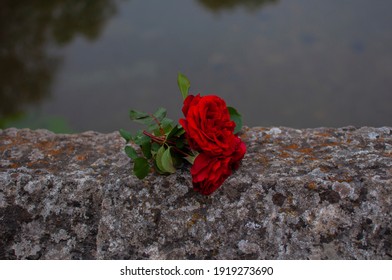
(74, 65)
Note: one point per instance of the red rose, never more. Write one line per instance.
(210, 131)
(238, 155)
(208, 126)
(208, 173)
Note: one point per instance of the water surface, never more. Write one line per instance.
(81, 65)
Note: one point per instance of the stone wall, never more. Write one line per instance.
(300, 194)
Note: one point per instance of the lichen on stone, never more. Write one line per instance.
(320, 193)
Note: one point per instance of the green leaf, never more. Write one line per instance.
(172, 132)
(166, 125)
(134, 115)
(183, 84)
(190, 159)
(180, 143)
(178, 162)
(140, 117)
(160, 114)
(146, 149)
(126, 135)
(180, 132)
(155, 147)
(167, 161)
(141, 139)
(157, 169)
(131, 152)
(235, 117)
(167, 121)
(141, 167)
(154, 127)
(158, 159)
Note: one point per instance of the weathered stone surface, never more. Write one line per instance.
(300, 194)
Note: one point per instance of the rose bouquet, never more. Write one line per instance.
(206, 138)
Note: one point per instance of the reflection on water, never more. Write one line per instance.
(27, 31)
(216, 5)
(298, 63)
